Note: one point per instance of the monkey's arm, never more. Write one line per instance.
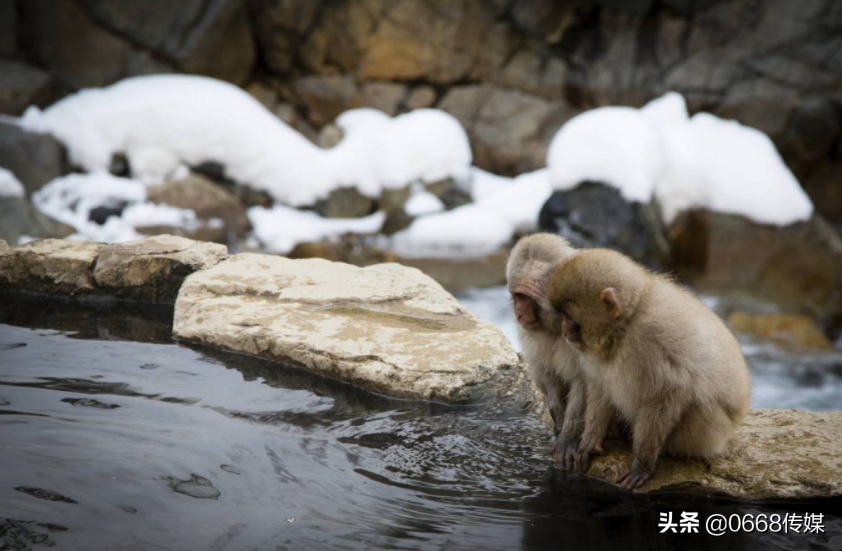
(652, 425)
(598, 415)
(567, 442)
(554, 392)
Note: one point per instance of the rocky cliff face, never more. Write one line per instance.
(511, 70)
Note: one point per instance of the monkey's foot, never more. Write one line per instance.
(635, 477)
(582, 457)
(564, 451)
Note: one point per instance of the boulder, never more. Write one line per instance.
(208, 200)
(150, 269)
(386, 327)
(153, 269)
(22, 85)
(791, 330)
(509, 130)
(595, 215)
(798, 267)
(777, 454)
(345, 202)
(19, 218)
(33, 158)
(51, 266)
(95, 42)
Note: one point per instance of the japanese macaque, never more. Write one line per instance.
(552, 362)
(652, 352)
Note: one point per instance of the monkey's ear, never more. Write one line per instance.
(609, 300)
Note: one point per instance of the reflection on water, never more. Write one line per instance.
(108, 442)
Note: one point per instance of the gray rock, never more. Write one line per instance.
(345, 202)
(22, 85)
(35, 159)
(596, 215)
(207, 199)
(387, 327)
(510, 131)
(8, 27)
(19, 218)
(798, 266)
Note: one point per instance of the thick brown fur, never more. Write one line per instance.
(653, 352)
(552, 362)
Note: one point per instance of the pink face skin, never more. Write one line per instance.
(526, 312)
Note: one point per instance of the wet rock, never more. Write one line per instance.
(387, 327)
(774, 455)
(596, 215)
(345, 202)
(102, 213)
(208, 200)
(149, 270)
(22, 85)
(51, 267)
(798, 267)
(329, 136)
(34, 159)
(787, 329)
(19, 218)
(152, 269)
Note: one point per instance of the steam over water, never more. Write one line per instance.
(112, 436)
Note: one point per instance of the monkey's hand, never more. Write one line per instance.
(565, 450)
(636, 476)
(582, 459)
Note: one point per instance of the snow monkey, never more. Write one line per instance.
(652, 352)
(552, 362)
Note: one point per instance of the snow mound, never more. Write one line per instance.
(279, 229)
(685, 162)
(423, 203)
(163, 122)
(504, 207)
(10, 186)
(617, 146)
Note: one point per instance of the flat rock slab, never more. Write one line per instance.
(150, 269)
(387, 327)
(154, 268)
(777, 454)
(50, 266)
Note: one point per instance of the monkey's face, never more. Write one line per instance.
(572, 332)
(527, 312)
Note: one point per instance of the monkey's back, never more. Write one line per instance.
(692, 354)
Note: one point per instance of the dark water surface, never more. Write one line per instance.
(114, 437)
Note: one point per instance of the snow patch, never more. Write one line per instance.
(10, 186)
(71, 198)
(504, 208)
(280, 228)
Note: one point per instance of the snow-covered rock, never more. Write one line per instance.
(685, 162)
(166, 122)
(10, 186)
